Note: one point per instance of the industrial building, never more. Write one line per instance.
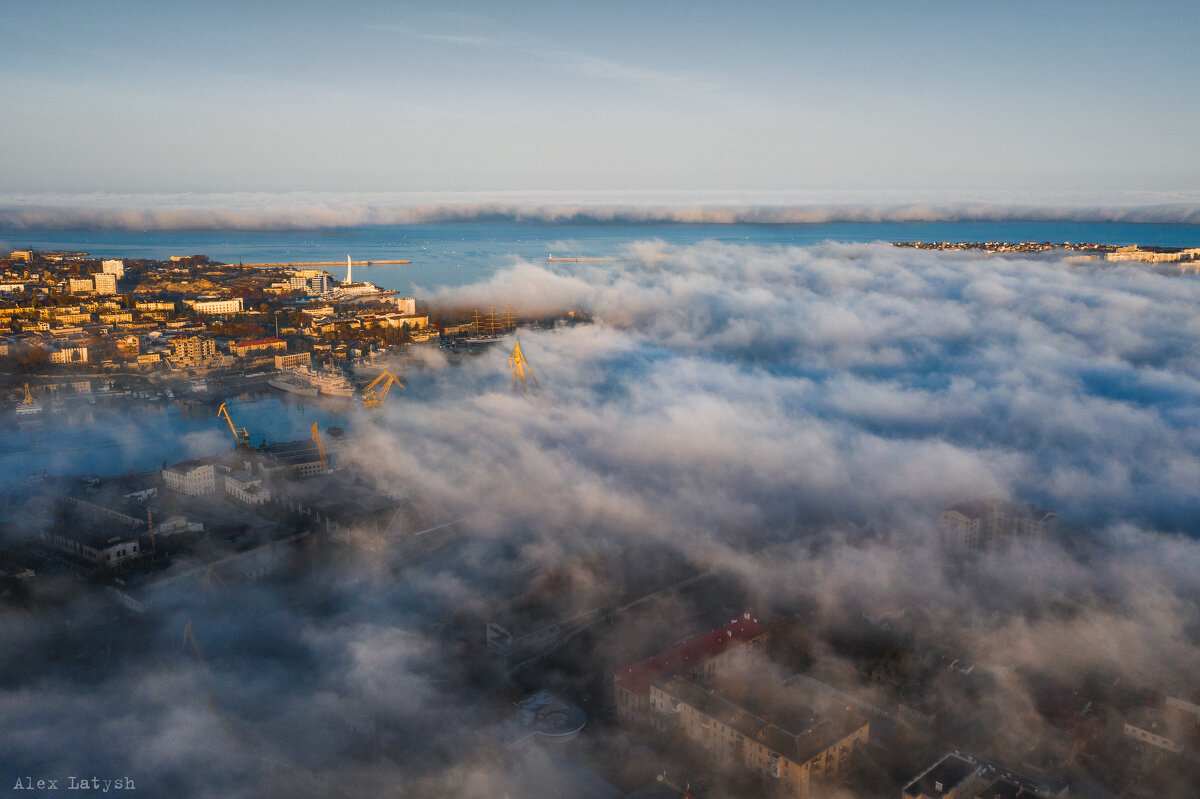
(102, 548)
(956, 775)
(245, 487)
(290, 459)
(339, 503)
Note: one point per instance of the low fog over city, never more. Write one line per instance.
(942, 497)
(599, 401)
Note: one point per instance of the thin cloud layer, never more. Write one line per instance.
(316, 210)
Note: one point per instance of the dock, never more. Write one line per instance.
(325, 263)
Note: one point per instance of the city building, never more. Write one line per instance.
(951, 777)
(292, 361)
(67, 353)
(244, 348)
(791, 736)
(956, 775)
(311, 281)
(1164, 727)
(102, 549)
(194, 478)
(80, 285)
(215, 306)
(153, 305)
(245, 487)
(1153, 255)
(113, 266)
(995, 523)
(395, 320)
(700, 657)
(406, 305)
(193, 350)
(104, 283)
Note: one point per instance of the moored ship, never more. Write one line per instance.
(293, 384)
(309, 382)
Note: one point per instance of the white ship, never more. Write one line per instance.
(333, 384)
(293, 384)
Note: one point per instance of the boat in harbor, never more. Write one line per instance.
(310, 382)
(29, 405)
(333, 384)
(293, 384)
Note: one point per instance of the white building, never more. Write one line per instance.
(150, 305)
(104, 283)
(194, 478)
(114, 267)
(313, 281)
(68, 353)
(247, 488)
(406, 305)
(984, 524)
(233, 305)
(80, 285)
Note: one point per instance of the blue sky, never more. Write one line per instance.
(207, 97)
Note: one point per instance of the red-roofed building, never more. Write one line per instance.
(700, 657)
(244, 348)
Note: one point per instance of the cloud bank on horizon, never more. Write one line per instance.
(316, 210)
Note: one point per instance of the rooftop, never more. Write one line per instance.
(688, 654)
(942, 778)
(980, 508)
(790, 728)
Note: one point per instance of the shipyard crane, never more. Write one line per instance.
(320, 448)
(520, 368)
(243, 438)
(189, 640)
(376, 392)
(28, 396)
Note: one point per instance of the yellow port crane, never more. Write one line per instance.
(28, 396)
(243, 438)
(320, 448)
(520, 368)
(377, 390)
